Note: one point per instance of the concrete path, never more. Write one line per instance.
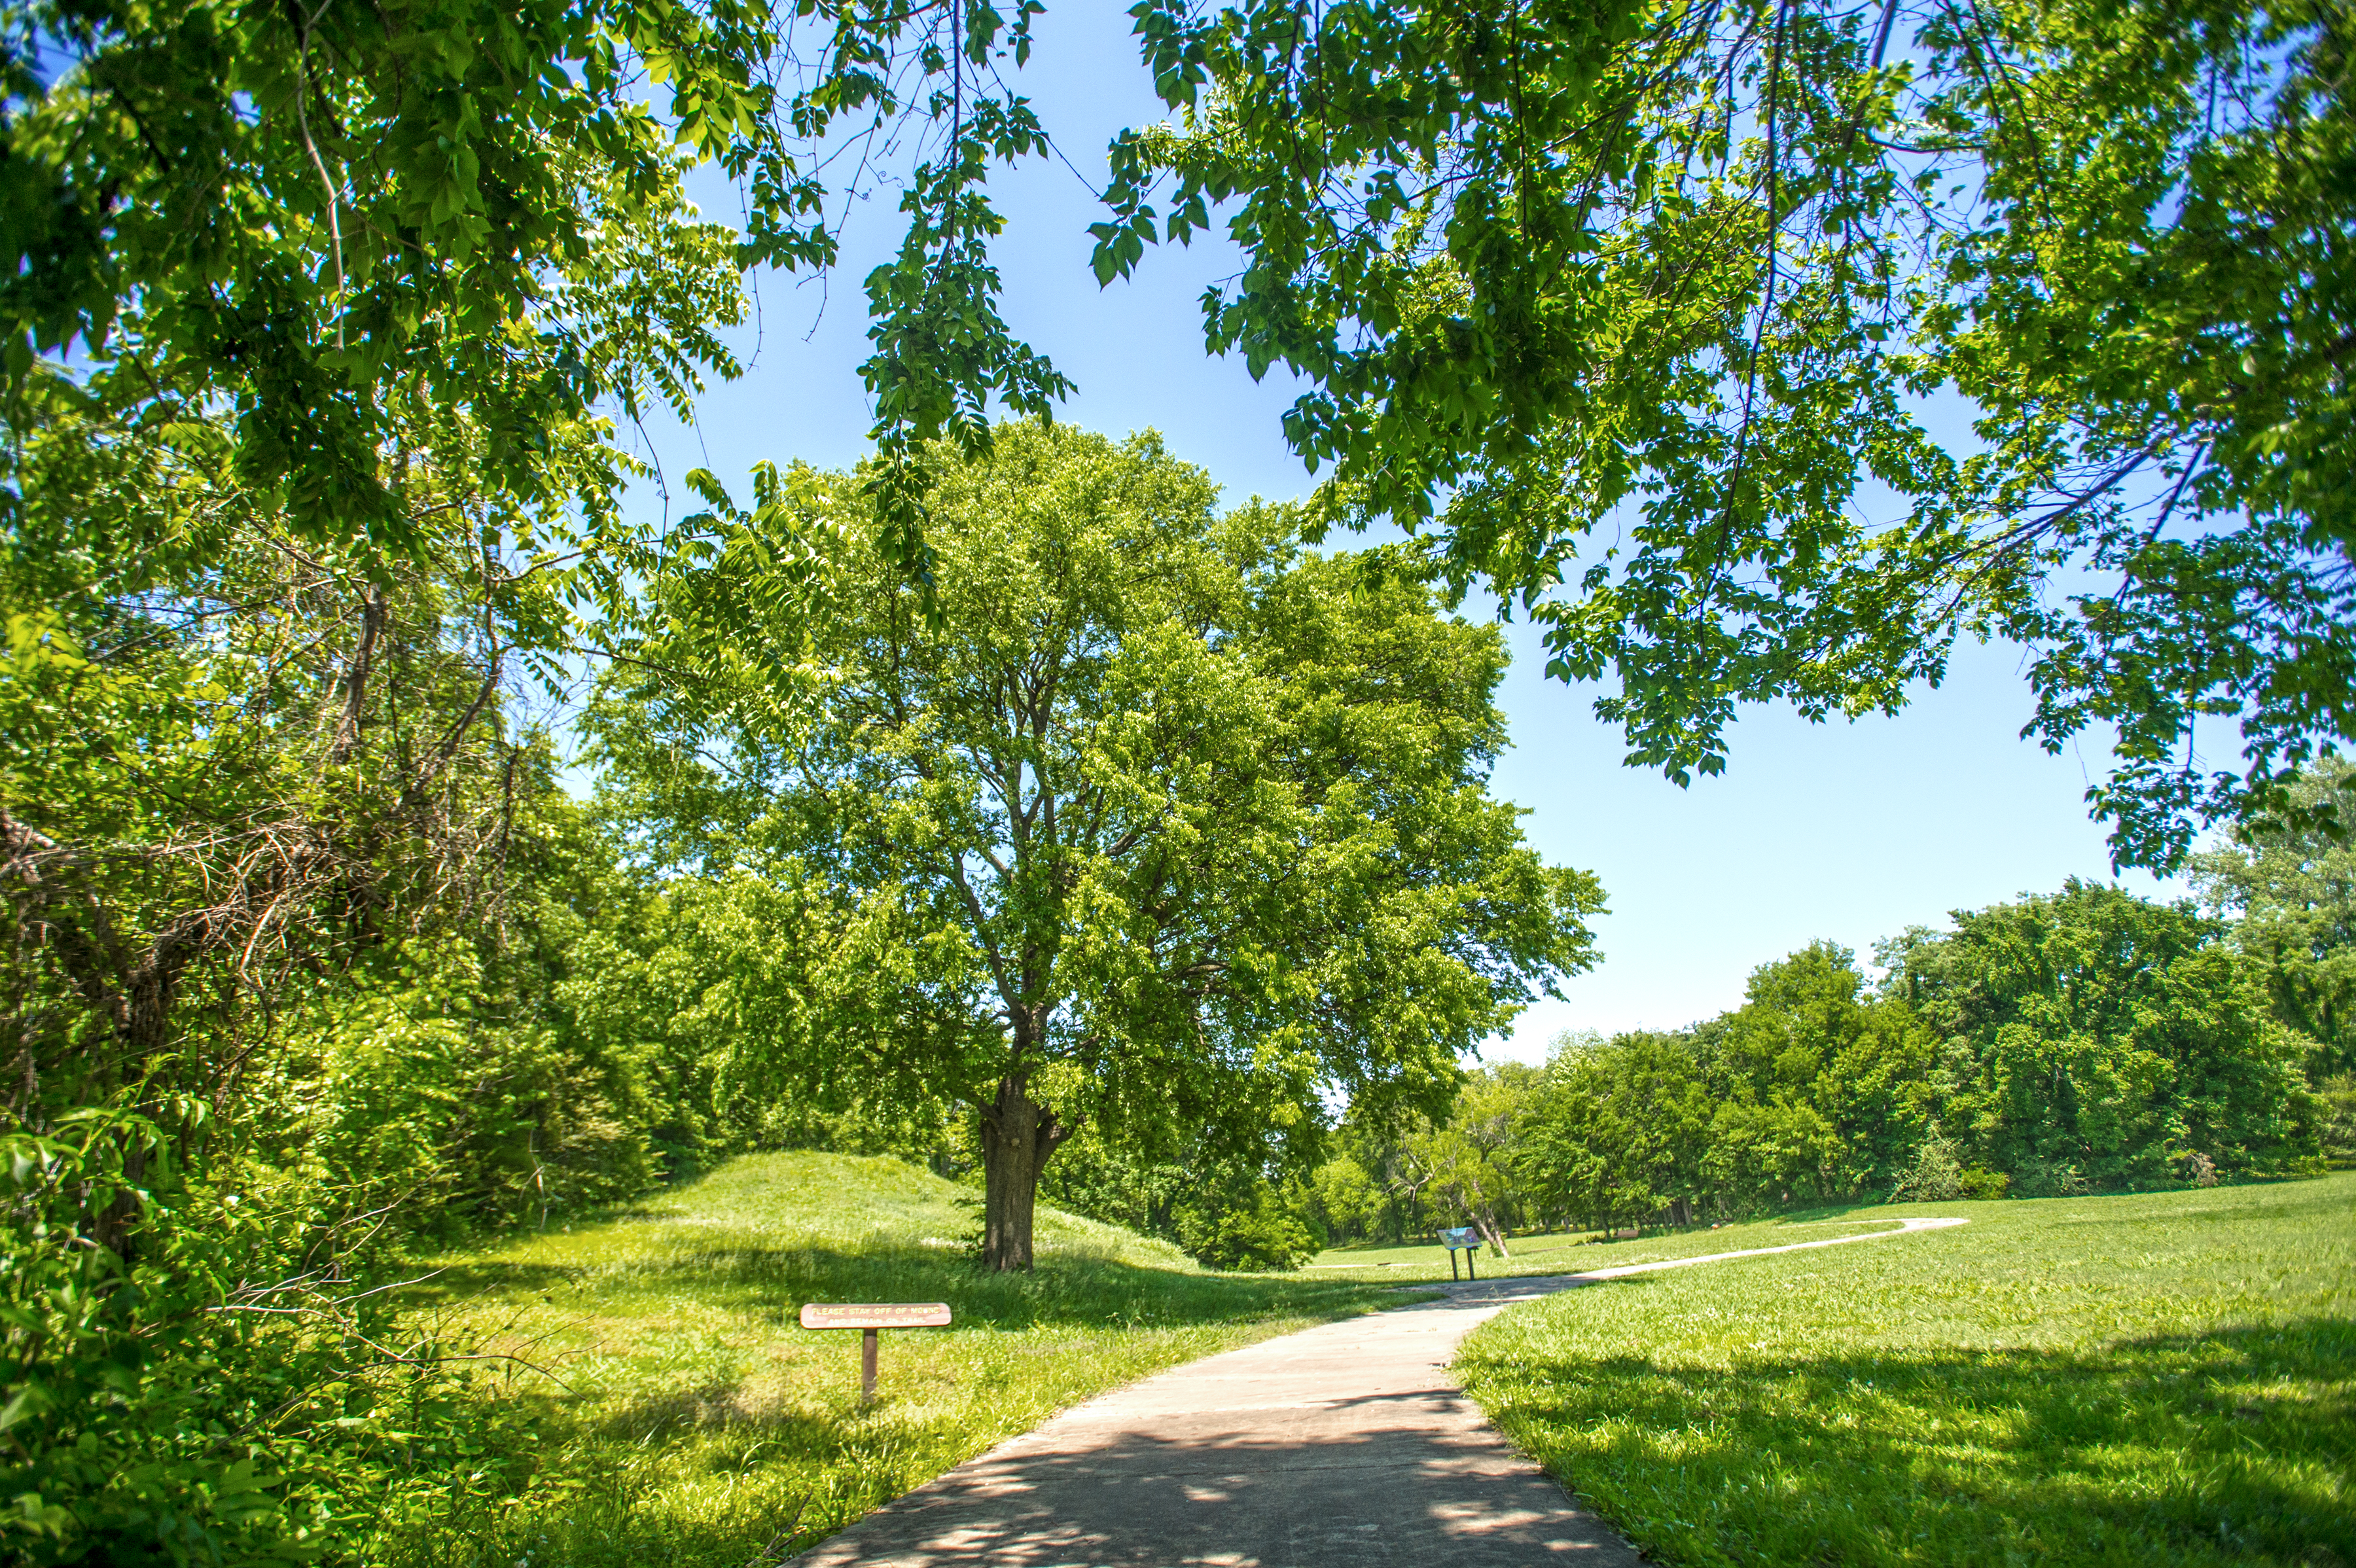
(1343, 1446)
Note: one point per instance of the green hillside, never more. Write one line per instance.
(673, 1414)
(2154, 1379)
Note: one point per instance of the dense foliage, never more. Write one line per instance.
(2086, 1041)
(1679, 276)
(959, 803)
(282, 865)
(2294, 893)
(1646, 304)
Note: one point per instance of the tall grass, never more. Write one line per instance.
(2141, 1380)
(680, 1418)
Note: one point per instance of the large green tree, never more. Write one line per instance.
(2094, 1037)
(2295, 892)
(1163, 823)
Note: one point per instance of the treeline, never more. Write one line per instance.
(2085, 1041)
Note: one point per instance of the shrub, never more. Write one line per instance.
(1936, 1174)
(1978, 1181)
(220, 1388)
(2338, 1098)
(1256, 1231)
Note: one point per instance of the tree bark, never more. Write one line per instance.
(1493, 1233)
(1017, 1133)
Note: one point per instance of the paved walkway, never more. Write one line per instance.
(1343, 1446)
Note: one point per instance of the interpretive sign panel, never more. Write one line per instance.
(1465, 1239)
(876, 1314)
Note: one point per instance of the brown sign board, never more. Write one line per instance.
(876, 1314)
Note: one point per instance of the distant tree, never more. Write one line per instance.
(1249, 1224)
(1470, 1155)
(1161, 823)
(2294, 893)
(1391, 1156)
(2094, 1037)
(1621, 1129)
(1820, 1086)
(1345, 1200)
(1226, 1203)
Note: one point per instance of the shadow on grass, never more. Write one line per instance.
(775, 1281)
(717, 1445)
(2232, 1445)
(766, 1488)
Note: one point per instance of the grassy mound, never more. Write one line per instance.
(2146, 1380)
(680, 1418)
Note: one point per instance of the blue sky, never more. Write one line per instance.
(1846, 832)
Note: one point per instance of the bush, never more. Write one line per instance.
(1977, 1181)
(1936, 1174)
(2338, 1099)
(1260, 1231)
(230, 1395)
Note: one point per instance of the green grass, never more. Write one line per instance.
(1577, 1252)
(2147, 1380)
(697, 1425)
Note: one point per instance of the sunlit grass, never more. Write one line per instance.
(1578, 1251)
(2138, 1380)
(696, 1424)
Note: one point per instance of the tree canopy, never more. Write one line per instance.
(2087, 1040)
(1161, 823)
(1636, 307)
(2294, 894)
(1640, 307)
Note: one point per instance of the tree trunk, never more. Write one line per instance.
(1017, 1133)
(1493, 1233)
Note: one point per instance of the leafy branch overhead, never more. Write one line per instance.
(298, 213)
(1640, 307)
(1648, 312)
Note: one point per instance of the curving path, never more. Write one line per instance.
(1348, 1444)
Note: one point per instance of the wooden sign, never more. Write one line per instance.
(871, 1316)
(876, 1314)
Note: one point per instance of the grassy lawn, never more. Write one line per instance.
(2145, 1380)
(697, 1425)
(1577, 1251)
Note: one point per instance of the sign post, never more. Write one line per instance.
(870, 1317)
(1468, 1238)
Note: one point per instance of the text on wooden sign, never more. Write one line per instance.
(876, 1314)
